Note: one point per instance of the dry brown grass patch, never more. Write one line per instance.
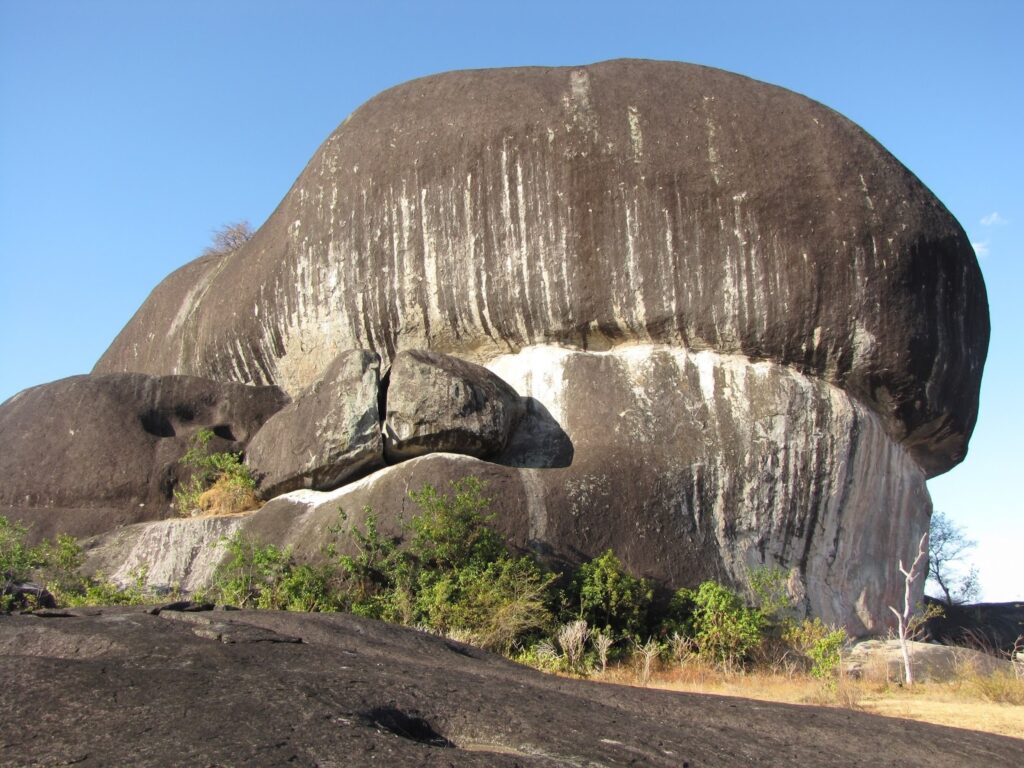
(993, 703)
(227, 497)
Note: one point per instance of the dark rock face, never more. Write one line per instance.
(84, 454)
(330, 433)
(120, 687)
(438, 403)
(484, 211)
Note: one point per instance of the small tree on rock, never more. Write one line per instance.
(229, 238)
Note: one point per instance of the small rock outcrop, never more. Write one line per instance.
(881, 661)
(438, 403)
(88, 453)
(330, 433)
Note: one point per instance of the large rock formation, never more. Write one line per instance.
(745, 332)
(87, 453)
(480, 212)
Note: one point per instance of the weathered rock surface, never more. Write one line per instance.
(438, 403)
(121, 688)
(483, 211)
(330, 433)
(85, 454)
(691, 466)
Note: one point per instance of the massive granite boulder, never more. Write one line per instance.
(87, 453)
(746, 334)
(330, 433)
(438, 403)
(484, 211)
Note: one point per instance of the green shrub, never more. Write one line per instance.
(495, 604)
(770, 585)
(608, 598)
(820, 643)
(56, 566)
(457, 575)
(100, 591)
(724, 629)
(17, 560)
(453, 530)
(376, 570)
(219, 482)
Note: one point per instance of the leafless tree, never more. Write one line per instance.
(572, 639)
(1016, 655)
(602, 644)
(947, 545)
(229, 238)
(905, 618)
(645, 655)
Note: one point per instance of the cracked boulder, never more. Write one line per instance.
(329, 434)
(440, 404)
(85, 454)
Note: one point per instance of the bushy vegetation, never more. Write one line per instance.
(609, 599)
(218, 484)
(450, 571)
(49, 574)
(455, 576)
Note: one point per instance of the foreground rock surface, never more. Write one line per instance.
(330, 432)
(87, 453)
(438, 403)
(121, 687)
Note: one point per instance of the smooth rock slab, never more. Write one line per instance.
(439, 403)
(232, 688)
(330, 433)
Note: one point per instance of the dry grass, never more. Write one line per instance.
(226, 497)
(992, 703)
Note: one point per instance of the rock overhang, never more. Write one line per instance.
(627, 201)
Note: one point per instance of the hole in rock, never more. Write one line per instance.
(156, 423)
(407, 726)
(224, 431)
(184, 413)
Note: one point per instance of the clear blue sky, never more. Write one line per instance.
(129, 130)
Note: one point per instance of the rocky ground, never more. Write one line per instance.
(129, 686)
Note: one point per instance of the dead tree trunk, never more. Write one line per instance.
(904, 619)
